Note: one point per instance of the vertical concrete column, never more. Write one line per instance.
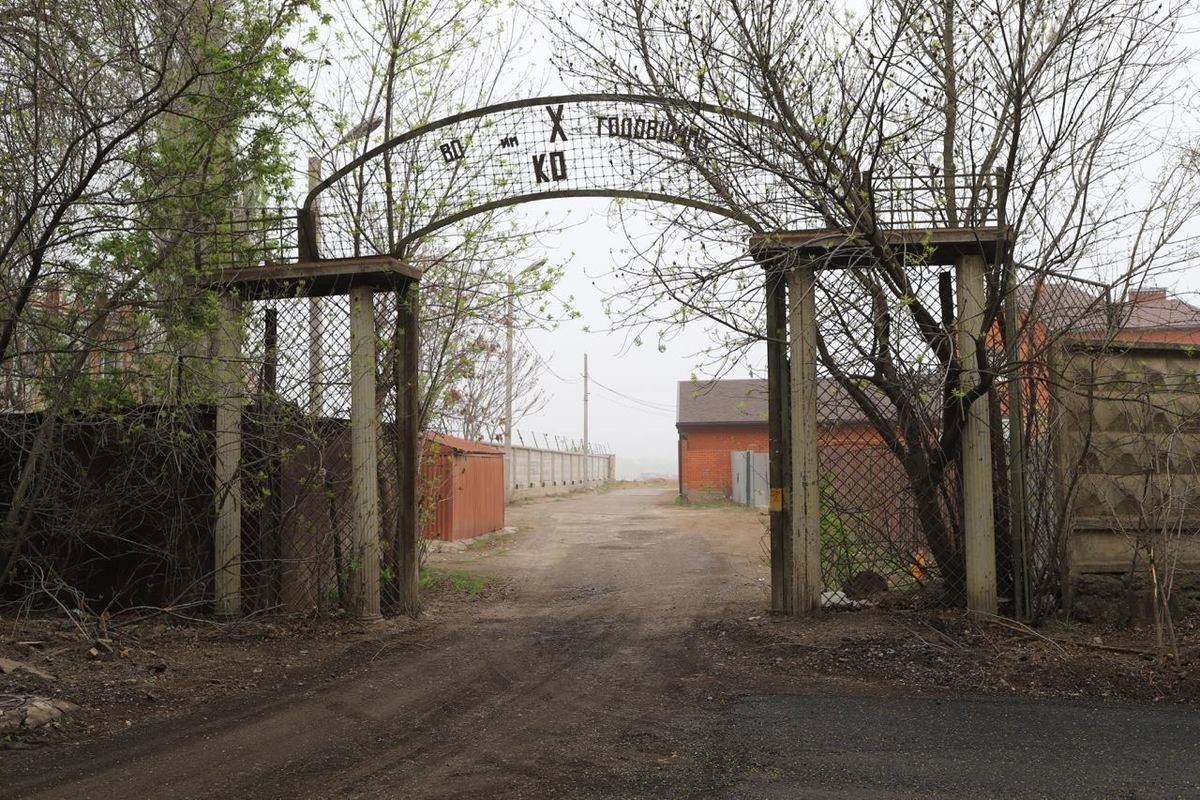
(364, 458)
(510, 471)
(978, 526)
(227, 535)
(805, 584)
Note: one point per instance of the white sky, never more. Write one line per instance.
(642, 434)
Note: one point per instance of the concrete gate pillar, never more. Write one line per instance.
(978, 522)
(805, 584)
(227, 534)
(364, 456)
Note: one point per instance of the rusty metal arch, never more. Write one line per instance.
(310, 241)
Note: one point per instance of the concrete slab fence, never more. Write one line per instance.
(535, 472)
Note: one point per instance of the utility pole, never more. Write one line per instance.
(585, 420)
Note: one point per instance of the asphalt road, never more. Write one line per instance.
(596, 677)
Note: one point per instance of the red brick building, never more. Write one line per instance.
(719, 417)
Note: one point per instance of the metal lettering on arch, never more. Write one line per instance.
(552, 147)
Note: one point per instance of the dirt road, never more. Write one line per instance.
(605, 672)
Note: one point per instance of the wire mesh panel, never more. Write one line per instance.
(296, 478)
(890, 510)
(892, 406)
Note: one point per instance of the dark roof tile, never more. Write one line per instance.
(744, 402)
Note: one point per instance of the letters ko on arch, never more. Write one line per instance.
(558, 167)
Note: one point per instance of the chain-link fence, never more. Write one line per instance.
(890, 414)
(116, 480)
(890, 510)
(299, 471)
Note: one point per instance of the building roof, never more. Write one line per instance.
(744, 402)
(1158, 313)
(1060, 305)
(1066, 306)
(460, 445)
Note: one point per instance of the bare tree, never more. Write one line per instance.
(1032, 116)
(392, 67)
(126, 130)
(474, 402)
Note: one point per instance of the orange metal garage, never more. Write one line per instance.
(462, 488)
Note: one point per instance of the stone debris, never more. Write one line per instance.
(28, 712)
(10, 667)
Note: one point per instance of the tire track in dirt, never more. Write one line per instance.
(572, 681)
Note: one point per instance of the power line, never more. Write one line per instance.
(546, 364)
(631, 403)
(641, 409)
(648, 403)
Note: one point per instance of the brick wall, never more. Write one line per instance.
(704, 455)
(704, 452)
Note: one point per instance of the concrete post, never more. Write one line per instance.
(978, 526)
(364, 459)
(227, 535)
(805, 584)
(510, 468)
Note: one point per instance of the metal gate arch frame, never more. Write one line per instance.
(326, 265)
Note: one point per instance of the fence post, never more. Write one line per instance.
(1022, 593)
(271, 514)
(227, 536)
(510, 471)
(805, 564)
(779, 432)
(364, 459)
(978, 529)
(408, 309)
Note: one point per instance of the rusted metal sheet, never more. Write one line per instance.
(462, 488)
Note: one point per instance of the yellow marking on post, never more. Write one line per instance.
(776, 499)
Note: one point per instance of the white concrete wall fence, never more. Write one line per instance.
(534, 472)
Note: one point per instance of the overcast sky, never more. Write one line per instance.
(633, 389)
